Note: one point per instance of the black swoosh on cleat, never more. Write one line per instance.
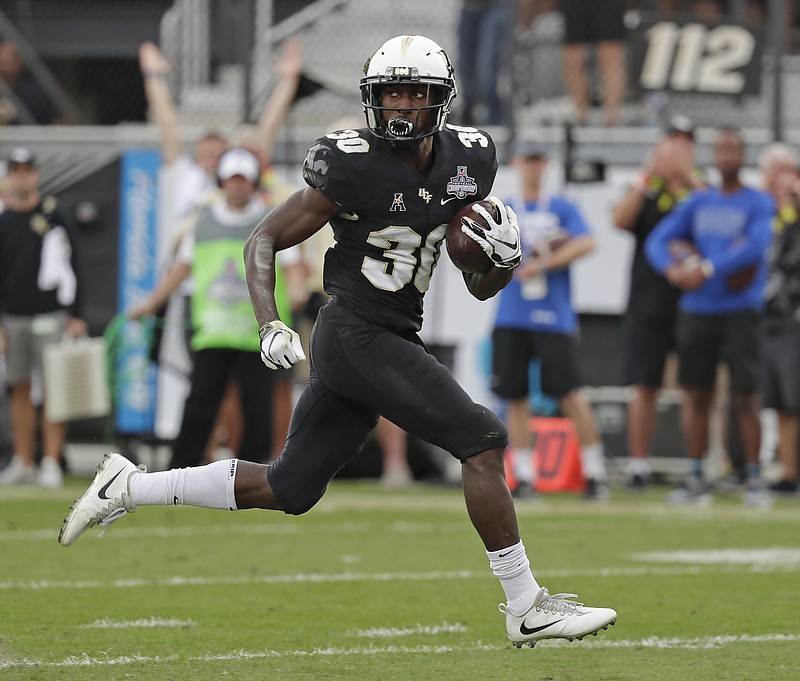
(104, 488)
(526, 632)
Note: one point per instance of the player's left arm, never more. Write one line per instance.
(484, 285)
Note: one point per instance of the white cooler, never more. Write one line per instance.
(75, 385)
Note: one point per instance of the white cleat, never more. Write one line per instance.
(106, 500)
(555, 616)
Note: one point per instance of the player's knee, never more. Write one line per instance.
(487, 462)
(303, 502)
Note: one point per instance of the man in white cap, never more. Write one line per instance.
(224, 329)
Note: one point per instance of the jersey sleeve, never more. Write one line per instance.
(325, 169)
(489, 157)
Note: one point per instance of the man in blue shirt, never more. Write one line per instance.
(535, 320)
(713, 247)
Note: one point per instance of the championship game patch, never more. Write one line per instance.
(462, 185)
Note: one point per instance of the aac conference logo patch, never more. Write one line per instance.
(461, 184)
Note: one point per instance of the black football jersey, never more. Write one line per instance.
(389, 235)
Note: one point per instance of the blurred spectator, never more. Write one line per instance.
(261, 140)
(706, 9)
(223, 322)
(712, 246)
(23, 101)
(665, 179)
(598, 24)
(485, 32)
(529, 10)
(188, 180)
(185, 183)
(39, 303)
(185, 180)
(393, 442)
(535, 319)
(701, 9)
(781, 386)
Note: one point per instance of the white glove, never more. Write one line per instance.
(501, 241)
(280, 346)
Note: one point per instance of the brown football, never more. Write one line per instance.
(686, 252)
(738, 281)
(465, 252)
(683, 252)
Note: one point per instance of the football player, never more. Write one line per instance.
(388, 190)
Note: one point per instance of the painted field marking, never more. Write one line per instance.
(766, 557)
(316, 578)
(652, 642)
(150, 623)
(164, 532)
(419, 629)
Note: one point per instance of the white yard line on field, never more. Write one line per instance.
(316, 578)
(767, 556)
(150, 623)
(427, 630)
(700, 643)
(165, 532)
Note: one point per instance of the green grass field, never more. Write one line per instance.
(394, 585)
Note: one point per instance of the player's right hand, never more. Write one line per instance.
(499, 240)
(280, 346)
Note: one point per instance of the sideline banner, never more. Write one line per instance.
(687, 54)
(556, 459)
(135, 375)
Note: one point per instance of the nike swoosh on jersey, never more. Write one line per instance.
(527, 632)
(452, 198)
(104, 488)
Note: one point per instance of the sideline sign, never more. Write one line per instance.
(686, 55)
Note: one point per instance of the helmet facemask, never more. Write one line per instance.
(409, 127)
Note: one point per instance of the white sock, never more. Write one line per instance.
(512, 567)
(639, 466)
(593, 461)
(523, 465)
(209, 486)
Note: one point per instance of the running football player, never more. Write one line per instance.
(389, 190)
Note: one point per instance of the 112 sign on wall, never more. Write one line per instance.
(697, 57)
